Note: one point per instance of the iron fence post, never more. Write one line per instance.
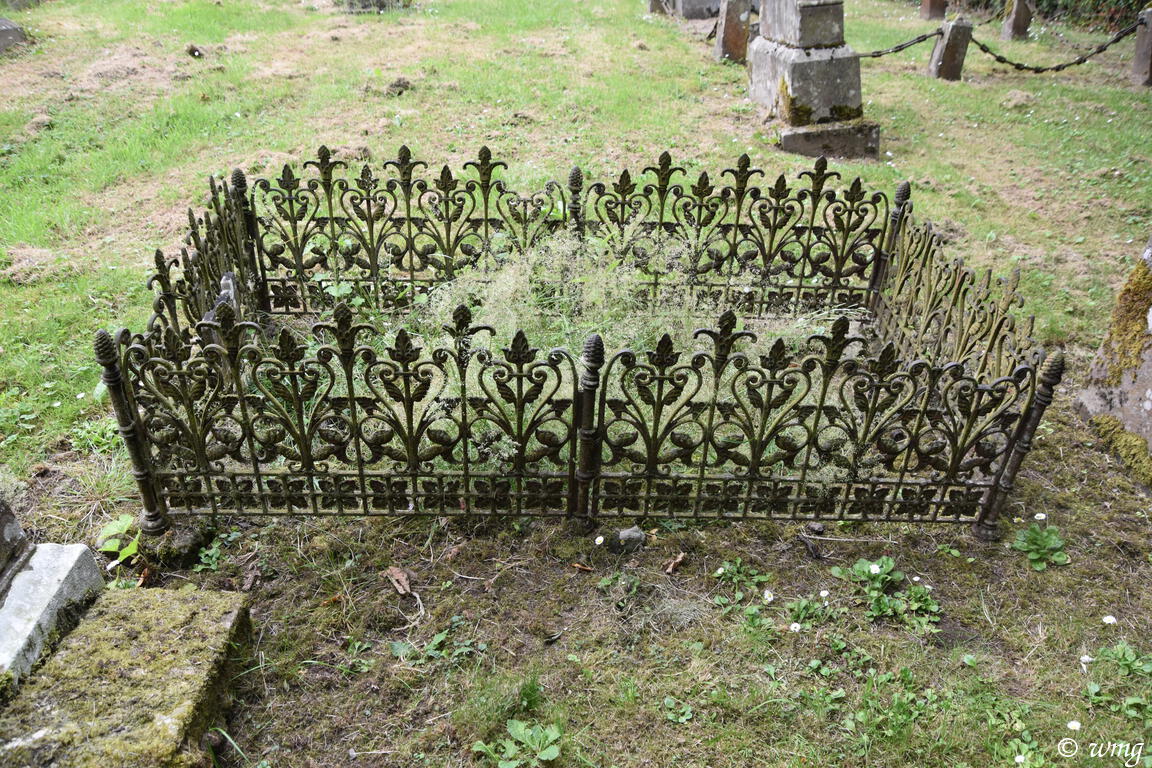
(575, 189)
(257, 283)
(884, 257)
(986, 526)
(588, 467)
(154, 520)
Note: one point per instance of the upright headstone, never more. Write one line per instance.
(657, 6)
(803, 71)
(10, 35)
(1118, 395)
(1142, 63)
(947, 62)
(1016, 24)
(932, 10)
(732, 30)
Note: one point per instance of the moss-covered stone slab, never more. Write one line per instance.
(135, 684)
(1118, 396)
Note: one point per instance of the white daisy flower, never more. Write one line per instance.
(1020, 759)
(1040, 516)
(1073, 725)
(769, 596)
(1109, 619)
(795, 626)
(915, 578)
(823, 593)
(599, 540)
(874, 569)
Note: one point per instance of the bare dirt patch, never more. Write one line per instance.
(29, 265)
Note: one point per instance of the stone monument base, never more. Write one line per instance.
(858, 138)
(805, 85)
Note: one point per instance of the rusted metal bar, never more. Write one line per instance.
(883, 259)
(588, 468)
(154, 519)
(257, 282)
(986, 526)
(575, 211)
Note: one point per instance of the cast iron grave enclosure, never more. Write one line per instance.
(920, 410)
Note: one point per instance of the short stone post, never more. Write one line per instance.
(1048, 378)
(154, 520)
(588, 466)
(1142, 63)
(1019, 18)
(933, 10)
(732, 31)
(947, 62)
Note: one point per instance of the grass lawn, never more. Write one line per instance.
(108, 131)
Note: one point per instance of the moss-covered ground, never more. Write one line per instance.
(108, 131)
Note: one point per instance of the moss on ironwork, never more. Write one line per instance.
(1132, 449)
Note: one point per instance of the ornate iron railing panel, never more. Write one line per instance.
(923, 416)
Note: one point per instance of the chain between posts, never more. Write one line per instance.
(1060, 67)
(902, 46)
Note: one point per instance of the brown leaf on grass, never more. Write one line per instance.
(399, 580)
(671, 566)
(581, 567)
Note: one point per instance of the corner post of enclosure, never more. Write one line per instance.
(891, 242)
(986, 526)
(588, 434)
(575, 211)
(256, 278)
(154, 519)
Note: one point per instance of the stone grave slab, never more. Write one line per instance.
(157, 661)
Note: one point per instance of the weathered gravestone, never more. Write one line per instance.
(14, 547)
(947, 62)
(39, 587)
(732, 31)
(10, 35)
(803, 71)
(1118, 398)
(1016, 24)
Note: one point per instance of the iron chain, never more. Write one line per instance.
(1060, 67)
(903, 45)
